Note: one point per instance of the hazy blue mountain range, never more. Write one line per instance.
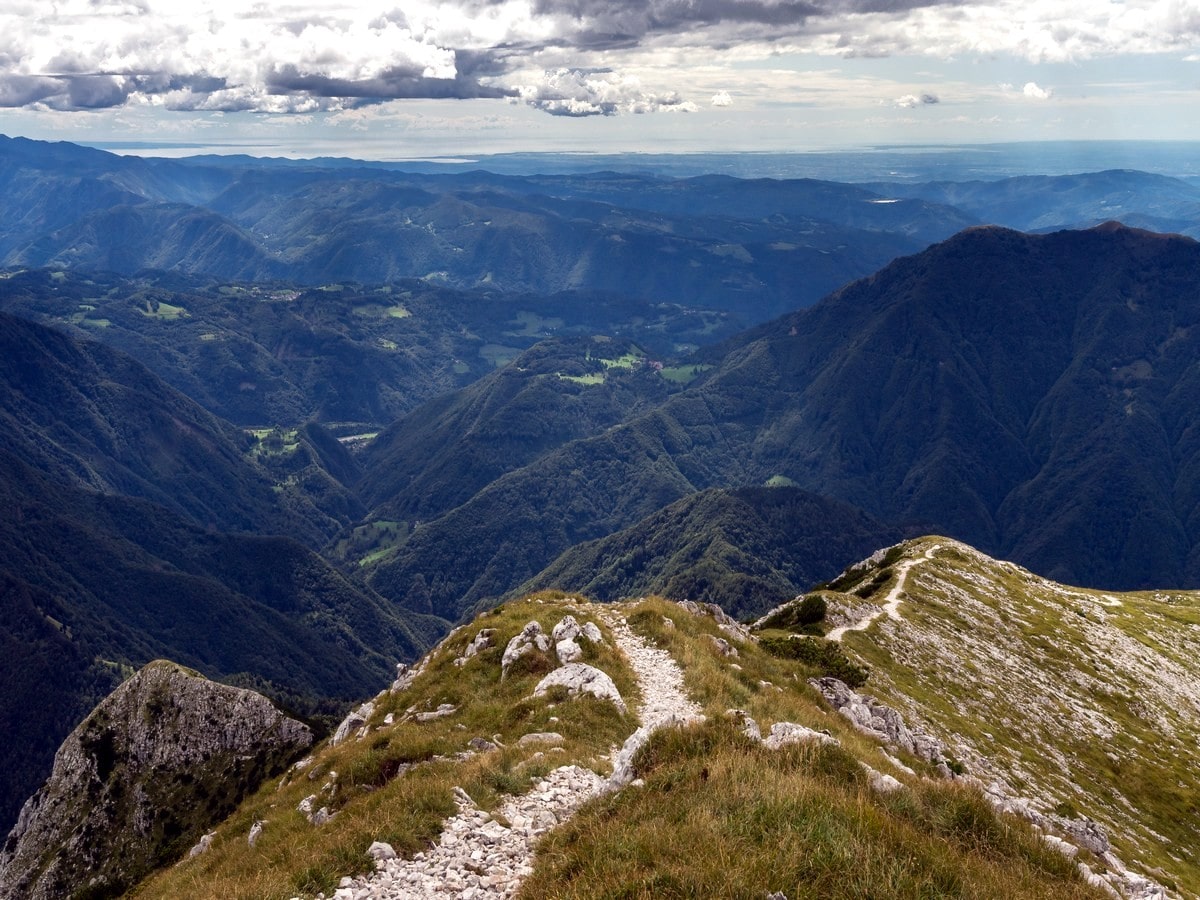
(910, 163)
(75, 207)
(1045, 203)
(756, 246)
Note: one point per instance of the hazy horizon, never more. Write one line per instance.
(897, 162)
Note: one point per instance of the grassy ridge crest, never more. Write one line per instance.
(803, 819)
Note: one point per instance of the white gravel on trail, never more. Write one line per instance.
(477, 856)
(658, 675)
(891, 603)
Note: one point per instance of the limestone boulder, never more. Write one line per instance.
(566, 630)
(580, 678)
(785, 733)
(568, 651)
(355, 722)
(482, 641)
(532, 639)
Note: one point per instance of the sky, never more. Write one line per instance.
(388, 80)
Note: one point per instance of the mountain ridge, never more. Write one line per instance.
(688, 768)
(742, 549)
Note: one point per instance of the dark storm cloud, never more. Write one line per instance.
(92, 90)
(22, 90)
(626, 23)
(399, 83)
(96, 91)
(480, 63)
(164, 82)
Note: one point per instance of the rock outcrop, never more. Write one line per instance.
(725, 622)
(878, 720)
(871, 717)
(140, 780)
(531, 640)
(482, 641)
(580, 678)
(354, 723)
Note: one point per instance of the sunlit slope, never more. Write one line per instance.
(1085, 702)
(811, 817)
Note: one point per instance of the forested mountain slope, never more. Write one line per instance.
(447, 450)
(743, 549)
(134, 525)
(1032, 394)
(344, 354)
(94, 417)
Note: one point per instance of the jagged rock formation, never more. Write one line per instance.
(354, 722)
(138, 781)
(531, 640)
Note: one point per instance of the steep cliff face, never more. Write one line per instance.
(138, 781)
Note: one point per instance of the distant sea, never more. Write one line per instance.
(962, 162)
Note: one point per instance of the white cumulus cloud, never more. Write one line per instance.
(722, 98)
(582, 92)
(1034, 92)
(912, 101)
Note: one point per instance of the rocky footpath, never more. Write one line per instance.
(162, 758)
(481, 855)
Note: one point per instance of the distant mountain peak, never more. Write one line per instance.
(1113, 226)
